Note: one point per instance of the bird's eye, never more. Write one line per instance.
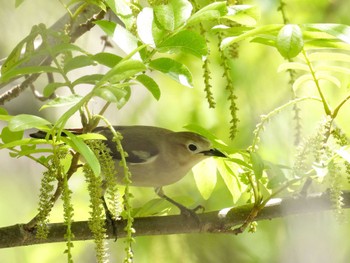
(192, 147)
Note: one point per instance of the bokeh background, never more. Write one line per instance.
(259, 88)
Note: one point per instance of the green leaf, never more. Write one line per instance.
(8, 136)
(294, 66)
(78, 62)
(173, 15)
(51, 88)
(290, 41)
(112, 5)
(113, 94)
(61, 122)
(209, 12)
(26, 71)
(79, 145)
(107, 59)
(339, 31)
(15, 56)
(205, 177)
(107, 26)
(257, 164)
(123, 11)
(88, 79)
(327, 43)
(268, 29)
(25, 121)
(173, 69)
(144, 24)
(62, 101)
(3, 111)
(328, 56)
(18, 3)
(150, 84)
(126, 41)
(243, 14)
(153, 207)
(26, 141)
(182, 11)
(326, 68)
(164, 17)
(185, 41)
(276, 176)
(123, 70)
(228, 171)
(325, 76)
(301, 80)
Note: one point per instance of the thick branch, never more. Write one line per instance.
(212, 222)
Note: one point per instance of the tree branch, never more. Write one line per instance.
(222, 221)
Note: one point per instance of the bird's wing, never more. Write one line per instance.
(139, 149)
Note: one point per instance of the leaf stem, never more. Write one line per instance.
(313, 74)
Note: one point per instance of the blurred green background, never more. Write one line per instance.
(259, 88)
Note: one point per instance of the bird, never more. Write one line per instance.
(156, 156)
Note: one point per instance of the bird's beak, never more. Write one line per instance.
(213, 152)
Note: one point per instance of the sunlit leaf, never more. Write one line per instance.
(123, 70)
(339, 31)
(107, 26)
(329, 68)
(243, 14)
(205, 177)
(300, 81)
(228, 171)
(257, 164)
(79, 145)
(294, 66)
(113, 94)
(209, 12)
(173, 14)
(226, 42)
(62, 101)
(25, 121)
(328, 56)
(126, 41)
(290, 41)
(185, 41)
(145, 26)
(325, 76)
(173, 69)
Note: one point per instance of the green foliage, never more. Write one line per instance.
(172, 38)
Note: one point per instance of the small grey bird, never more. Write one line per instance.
(156, 156)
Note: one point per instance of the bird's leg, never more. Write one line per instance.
(110, 218)
(183, 210)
